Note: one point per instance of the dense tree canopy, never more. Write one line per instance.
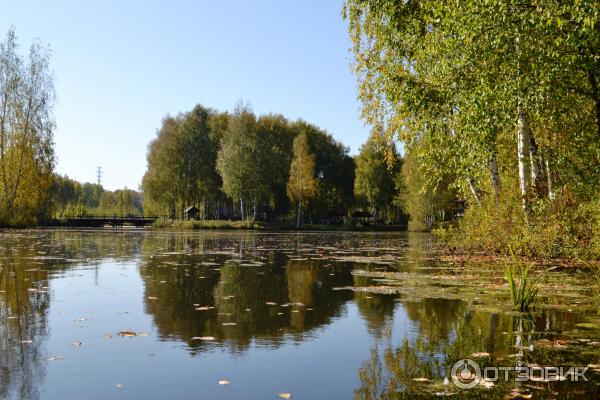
(498, 98)
(239, 166)
(377, 169)
(479, 77)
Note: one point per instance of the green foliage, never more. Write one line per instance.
(461, 83)
(377, 168)
(182, 162)
(334, 171)
(427, 204)
(243, 158)
(523, 290)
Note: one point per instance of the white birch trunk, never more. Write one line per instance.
(522, 151)
(473, 188)
(551, 194)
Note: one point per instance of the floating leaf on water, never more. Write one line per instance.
(132, 333)
(203, 338)
(224, 382)
(285, 395)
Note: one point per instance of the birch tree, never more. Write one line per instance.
(302, 186)
(26, 132)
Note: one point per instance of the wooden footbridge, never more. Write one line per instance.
(99, 221)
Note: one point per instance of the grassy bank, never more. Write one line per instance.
(560, 229)
(206, 224)
(221, 224)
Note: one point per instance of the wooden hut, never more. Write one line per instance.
(363, 217)
(191, 213)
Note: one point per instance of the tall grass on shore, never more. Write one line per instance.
(523, 289)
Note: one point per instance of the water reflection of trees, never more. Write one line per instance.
(24, 302)
(28, 261)
(449, 330)
(268, 296)
(376, 309)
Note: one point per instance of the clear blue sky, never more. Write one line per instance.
(120, 66)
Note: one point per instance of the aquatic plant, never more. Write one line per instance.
(523, 290)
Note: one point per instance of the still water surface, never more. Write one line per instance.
(315, 315)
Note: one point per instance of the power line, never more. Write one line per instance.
(99, 174)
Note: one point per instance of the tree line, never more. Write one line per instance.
(230, 165)
(239, 165)
(69, 197)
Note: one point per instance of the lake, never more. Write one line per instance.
(124, 314)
